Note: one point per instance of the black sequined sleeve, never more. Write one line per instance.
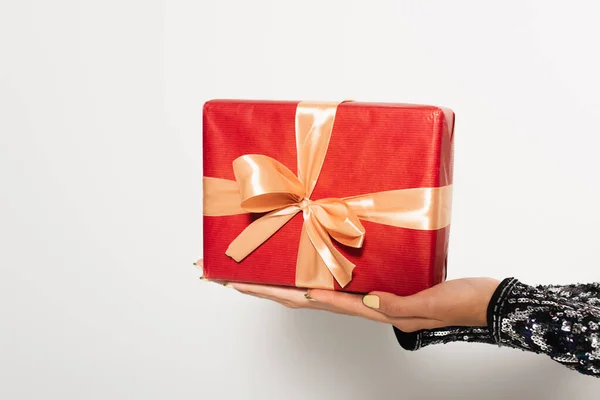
(559, 321)
(563, 324)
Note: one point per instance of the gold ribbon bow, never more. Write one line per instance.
(263, 184)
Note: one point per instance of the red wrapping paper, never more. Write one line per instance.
(374, 147)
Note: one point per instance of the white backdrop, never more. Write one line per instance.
(100, 183)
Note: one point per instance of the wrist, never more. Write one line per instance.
(488, 291)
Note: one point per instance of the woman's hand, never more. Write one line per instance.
(461, 302)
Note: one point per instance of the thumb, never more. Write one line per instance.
(416, 305)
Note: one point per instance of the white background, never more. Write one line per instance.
(100, 182)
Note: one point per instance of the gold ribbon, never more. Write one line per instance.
(263, 184)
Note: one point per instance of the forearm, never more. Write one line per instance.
(560, 321)
(588, 293)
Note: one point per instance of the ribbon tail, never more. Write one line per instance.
(221, 197)
(311, 271)
(419, 208)
(258, 232)
(339, 266)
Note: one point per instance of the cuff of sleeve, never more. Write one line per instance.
(449, 334)
(495, 307)
(408, 341)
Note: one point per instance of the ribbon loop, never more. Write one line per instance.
(265, 183)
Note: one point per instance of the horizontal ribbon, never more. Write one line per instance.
(262, 184)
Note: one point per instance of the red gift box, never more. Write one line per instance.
(373, 148)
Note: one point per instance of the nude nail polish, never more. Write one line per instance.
(371, 301)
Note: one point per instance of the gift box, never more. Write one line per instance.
(346, 196)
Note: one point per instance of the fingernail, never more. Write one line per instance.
(308, 297)
(227, 284)
(202, 278)
(371, 301)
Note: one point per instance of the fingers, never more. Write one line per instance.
(346, 303)
(352, 304)
(290, 297)
(415, 306)
(409, 314)
(284, 293)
